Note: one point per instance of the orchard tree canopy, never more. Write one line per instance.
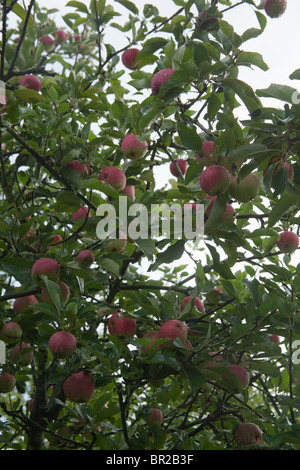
(151, 342)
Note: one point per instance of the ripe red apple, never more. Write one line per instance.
(130, 191)
(216, 361)
(129, 58)
(11, 332)
(48, 42)
(21, 304)
(207, 150)
(47, 267)
(61, 35)
(7, 382)
(288, 242)
(153, 337)
(31, 82)
(82, 213)
(229, 214)
(80, 167)
(183, 165)
(246, 189)
(133, 148)
(65, 292)
(155, 416)
(85, 258)
(247, 434)
(159, 78)
(62, 344)
(173, 329)
(275, 339)
(215, 180)
(121, 326)
(113, 176)
(116, 246)
(241, 373)
(198, 304)
(275, 8)
(79, 387)
(21, 354)
(57, 238)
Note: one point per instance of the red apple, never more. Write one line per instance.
(130, 191)
(241, 373)
(85, 258)
(288, 242)
(82, 213)
(246, 189)
(129, 58)
(7, 382)
(183, 165)
(21, 354)
(275, 8)
(79, 387)
(215, 180)
(133, 148)
(229, 214)
(198, 304)
(61, 35)
(21, 304)
(121, 326)
(47, 267)
(153, 337)
(11, 332)
(31, 82)
(80, 167)
(216, 361)
(57, 238)
(48, 42)
(62, 344)
(65, 292)
(247, 434)
(173, 329)
(159, 78)
(275, 339)
(155, 416)
(113, 176)
(207, 150)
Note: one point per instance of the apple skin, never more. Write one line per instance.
(7, 382)
(31, 82)
(79, 387)
(121, 326)
(129, 58)
(113, 176)
(48, 267)
(159, 78)
(288, 242)
(61, 36)
(62, 344)
(198, 304)
(215, 180)
(65, 292)
(133, 148)
(153, 337)
(246, 189)
(247, 434)
(216, 361)
(21, 304)
(21, 354)
(82, 213)
(85, 258)
(183, 165)
(48, 42)
(116, 246)
(155, 416)
(11, 332)
(173, 329)
(275, 8)
(275, 339)
(241, 373)
(80, 167)
(130, 191)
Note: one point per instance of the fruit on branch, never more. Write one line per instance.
(159, 78)
(275, 339)
(198, 304)
(11, 332)
(207, 22)
(7, 382)
(129, 58)
(62, 344)
(82, 213)
(130, 191)
(80, 167)
(133, 148)
(61, 36)
(151, 346)
(216, 361)
(154, 416)
(288, 242)
(275, 8)
(47, 267)
(79, 387)
(48, 42)
(21, 304)
(116, 246)
(173, 329)
(215, 180)
(21, 354)
(85, 258)
(113, 176)
(65, 292)
(182, 164)
(57, 238)
(241, 373)
(206, 155)
(246, 189)
(121, 326)
(32, 82)
(229, 214)
(247, 434)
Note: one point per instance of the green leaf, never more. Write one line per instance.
(279, 92)
(129, 5)
(172, 253)
(19, 268)
(251, 58)
(284, 204)
(78, 5)
(189, 137)
(21, 13)
(244, 91)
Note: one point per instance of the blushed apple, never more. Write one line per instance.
(275, 8)
(48, 42)
(206, 156)
(155, 416)
(116, 246)
(288, 242)
(198, 304)
(82, 213)
(173, 329)
(215, 180)
(80, 167)
(153, 337)
(229, 214)
(159, 78)
(246, 189)
(11, 332)
(47, 267)
(21, 304)
(130, 191)
(113, 176)
(79, 387)
(118, 325)
(62, 344)
(32, 82)
(85, 258)
(61, 36)
(241, 373)
(21, 354)
(65, 292)
(133, 148)
(182, 164)
(129, 58)
(7, 382)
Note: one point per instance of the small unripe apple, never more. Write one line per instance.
(61, 35)
(275, 8)
(173, 329)
(155, 416)
(82, 213)
(288, 242)
(198, 304)
(79, 387)
(47, 267)
(159, 78)
(113, 176)
(241, 373)
(31, 82)
(246, 189)
(80, 167)
(7, 382)
(65, 292)
(121, 326)
(247, 434)
(62, 344)
(153, 337)
(11, 332)
(129, 58)
(130, 191)
(21, 354)
(21, 304)
(183, 165)
(215, 180)
(133, 148)
(85, 258)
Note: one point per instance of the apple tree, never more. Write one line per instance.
(151, 342)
